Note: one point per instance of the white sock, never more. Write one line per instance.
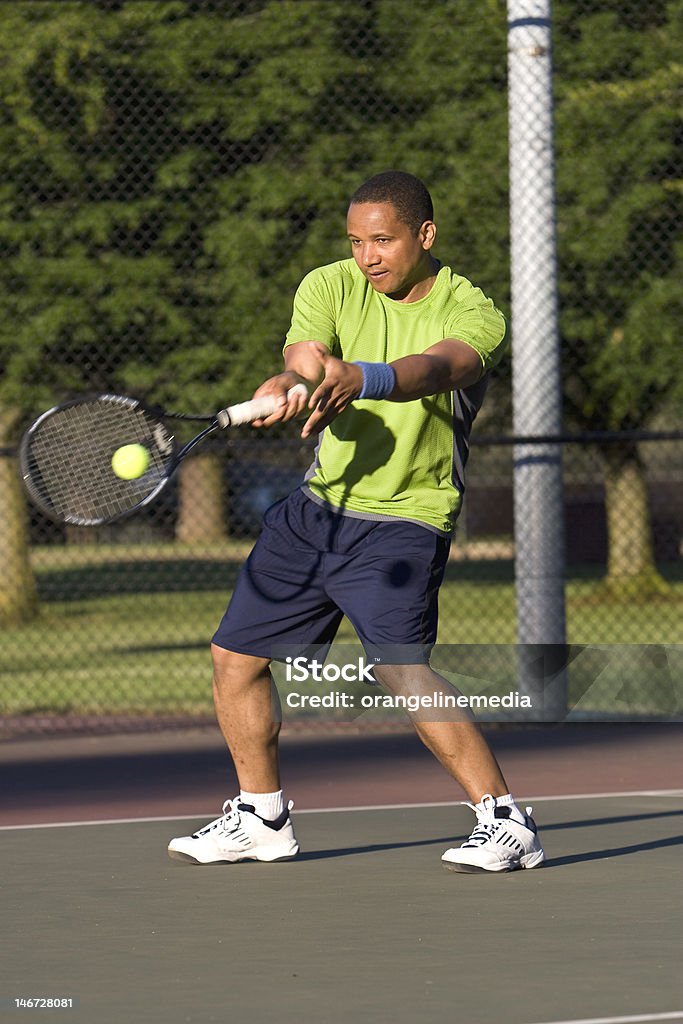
(267, 805)
(509, 801)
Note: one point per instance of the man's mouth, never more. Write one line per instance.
(376, 274)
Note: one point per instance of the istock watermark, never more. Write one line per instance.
(408, 702)
(391, 682)
(301, 670)
(490, 682)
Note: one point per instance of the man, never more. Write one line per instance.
(396, 349)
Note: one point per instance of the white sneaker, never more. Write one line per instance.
(239, 834)
(499, 841)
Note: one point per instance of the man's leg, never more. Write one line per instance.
(504, 837)
(256, 825)
(245, 697)
(280, 599)
(458, 744)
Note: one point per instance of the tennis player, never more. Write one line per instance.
(396, 349)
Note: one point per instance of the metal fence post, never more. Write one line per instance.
(538, 491)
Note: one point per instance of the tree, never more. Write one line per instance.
(69, 285)
(620, 160)
(18, 593)
(172, 169)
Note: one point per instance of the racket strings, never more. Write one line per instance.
(69, 460)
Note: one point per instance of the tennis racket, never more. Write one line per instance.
(66, 455)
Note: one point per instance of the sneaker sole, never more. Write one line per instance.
(534, 860)
(187, 859)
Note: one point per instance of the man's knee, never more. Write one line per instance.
(233, 670)
(399, 677)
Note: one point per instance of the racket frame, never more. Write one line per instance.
(244, 412)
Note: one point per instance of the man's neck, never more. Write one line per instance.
(422, 286)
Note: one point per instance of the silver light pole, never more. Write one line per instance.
(537, 410)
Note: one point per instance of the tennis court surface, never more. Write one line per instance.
(364, 926)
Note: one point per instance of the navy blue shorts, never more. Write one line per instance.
(311, 565)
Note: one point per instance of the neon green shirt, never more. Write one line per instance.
(395, 460)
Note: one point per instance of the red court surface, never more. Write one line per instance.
(188, 773)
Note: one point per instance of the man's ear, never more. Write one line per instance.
(427, 234)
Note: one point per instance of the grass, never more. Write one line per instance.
(125, 630)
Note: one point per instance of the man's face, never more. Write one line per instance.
(391, 256)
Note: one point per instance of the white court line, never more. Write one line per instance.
(520, 800)
(345, 810)
(635, 1019)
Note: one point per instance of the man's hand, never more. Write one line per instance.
(278, 386)
(341, 384)
(303, 357)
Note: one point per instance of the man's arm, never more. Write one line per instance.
(448, 365)
(445, 366)
(302, 365)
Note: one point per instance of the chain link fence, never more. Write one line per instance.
(171, 171)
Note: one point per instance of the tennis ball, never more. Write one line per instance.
(130, 461)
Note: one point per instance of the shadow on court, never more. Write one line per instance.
(622, 851)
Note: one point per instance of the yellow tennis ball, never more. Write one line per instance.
(130, 461)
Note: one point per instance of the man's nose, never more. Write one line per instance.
(370, 256)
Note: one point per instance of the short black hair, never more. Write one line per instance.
(407, 194)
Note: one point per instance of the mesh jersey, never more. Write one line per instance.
(395, 460)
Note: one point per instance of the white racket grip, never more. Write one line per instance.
(254, 409)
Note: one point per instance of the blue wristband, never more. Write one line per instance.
(379, 380)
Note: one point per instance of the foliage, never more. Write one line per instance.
(172, 169)
(620, 186)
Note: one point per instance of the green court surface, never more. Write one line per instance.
(365, 926)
